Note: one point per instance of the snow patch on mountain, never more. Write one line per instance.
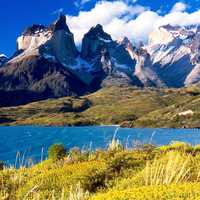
(104, 40)
(82, 65)
(49, 57)
(3, 59)
(29, 42)
(3, 56)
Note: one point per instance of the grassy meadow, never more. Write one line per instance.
(125, 106)
(144, 172)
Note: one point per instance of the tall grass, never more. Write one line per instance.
(174, 167)
(77, 193)
(115, 145)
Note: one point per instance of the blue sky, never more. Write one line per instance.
(16, 15)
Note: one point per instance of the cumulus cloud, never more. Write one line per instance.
(120, 18)
(179, 7)
(112, 15)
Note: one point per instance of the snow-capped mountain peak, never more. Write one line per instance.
(174, 52)
(126, 43)
(48, 64)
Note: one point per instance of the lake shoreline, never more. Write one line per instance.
(93, 125)
(32, 139)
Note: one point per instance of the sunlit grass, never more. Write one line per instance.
(173, 167)
(117, 173)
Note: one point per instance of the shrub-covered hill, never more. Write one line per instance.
(127, 106)
(145, 173)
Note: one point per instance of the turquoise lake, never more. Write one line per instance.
(32, 142)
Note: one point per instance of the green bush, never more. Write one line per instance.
(57, 152)
(94, 180)
(148, 147)
(197, 149)
(57, 179)
(119, 162)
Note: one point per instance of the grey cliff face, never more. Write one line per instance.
(109, 57)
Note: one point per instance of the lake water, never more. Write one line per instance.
(33, 142)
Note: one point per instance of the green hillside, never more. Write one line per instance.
(127, 106)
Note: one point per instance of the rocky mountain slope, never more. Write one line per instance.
(38, 70)
(47, 63)
(102, 52)
(174, 55)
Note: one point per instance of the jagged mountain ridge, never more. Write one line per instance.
(174, 53)
(103, 53)
(47, 63)
(38, 68)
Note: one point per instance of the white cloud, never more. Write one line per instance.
(105, 13)
(179, 7)
(122, 19)
(181, 18)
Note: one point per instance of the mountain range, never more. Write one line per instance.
(47, 63)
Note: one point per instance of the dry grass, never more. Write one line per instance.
(117, 172)
(77, 193)
(174, 167)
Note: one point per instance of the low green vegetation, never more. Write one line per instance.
(147, 172)
(126, 106)
(57, 152)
